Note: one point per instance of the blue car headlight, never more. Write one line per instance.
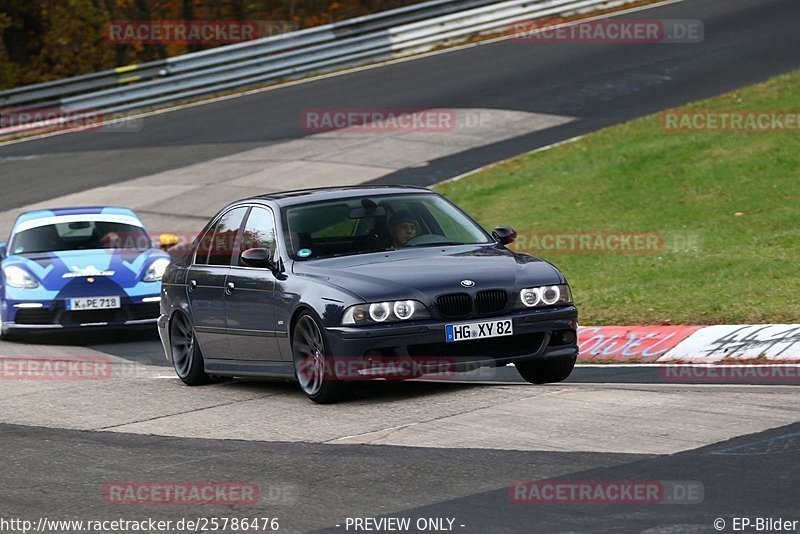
(19, 277)
(156, 270)
(385, 312)
(537, 297)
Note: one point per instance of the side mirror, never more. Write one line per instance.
(505, 235)
(3, 250)
(260, 258)
(166, 241)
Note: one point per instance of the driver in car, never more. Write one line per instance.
(402, 227)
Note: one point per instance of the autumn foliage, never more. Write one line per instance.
(49, 39)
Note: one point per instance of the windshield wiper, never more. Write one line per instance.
(343, 254)
(439, 244)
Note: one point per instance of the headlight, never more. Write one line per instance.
(534, 297)
(156, 270)
(385, 312)
(19, 277)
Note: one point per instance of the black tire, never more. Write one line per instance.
(5, 335)
(186, 356)
(546, 371)
(313, 365)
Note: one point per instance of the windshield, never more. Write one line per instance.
(82, 235)
(361, 225)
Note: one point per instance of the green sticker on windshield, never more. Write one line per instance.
(304, 252)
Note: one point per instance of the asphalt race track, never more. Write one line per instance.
(437, 449)
(468, 485)
(601, 84)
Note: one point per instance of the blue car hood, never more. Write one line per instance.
(54, 270)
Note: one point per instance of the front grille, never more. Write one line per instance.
(454, 305)
(491, 301)
(499, 347)
(130, 312)
(35, 316)
(93, 316)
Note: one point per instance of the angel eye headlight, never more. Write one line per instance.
(550, 295)
(530, 297)
(379, 312)
(403, 310)
(534, 297)
(385, 312)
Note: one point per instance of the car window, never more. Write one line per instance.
(444, 217)
(361, 225)
(224, 240)
(259, 231)
(80, 235)
(204, 246)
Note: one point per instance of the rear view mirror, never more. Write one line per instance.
(260, 258)
(505, 235)
(166, 241)
(363, 213)
(3, 250)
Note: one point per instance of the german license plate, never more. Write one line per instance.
(93, 303)
(482, 330)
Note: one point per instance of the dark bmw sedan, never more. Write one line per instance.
(335, 286)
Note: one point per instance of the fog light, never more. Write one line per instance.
(568, 337)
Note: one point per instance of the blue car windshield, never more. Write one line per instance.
(361, 225)
(83, 235)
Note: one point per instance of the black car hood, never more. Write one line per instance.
(423, 273)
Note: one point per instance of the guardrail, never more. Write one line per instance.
(385, 35)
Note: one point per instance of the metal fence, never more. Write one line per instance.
(380, 36)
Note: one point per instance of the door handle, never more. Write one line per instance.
(229, 288)
(192, 285)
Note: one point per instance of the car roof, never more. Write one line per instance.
(304, 196)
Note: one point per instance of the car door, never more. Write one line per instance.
(250, 302)
(206, 283)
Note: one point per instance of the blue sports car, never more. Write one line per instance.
(79, 267)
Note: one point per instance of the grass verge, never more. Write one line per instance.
(726, 205)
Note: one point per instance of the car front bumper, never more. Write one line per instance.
(53, 315)
(420, 348)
